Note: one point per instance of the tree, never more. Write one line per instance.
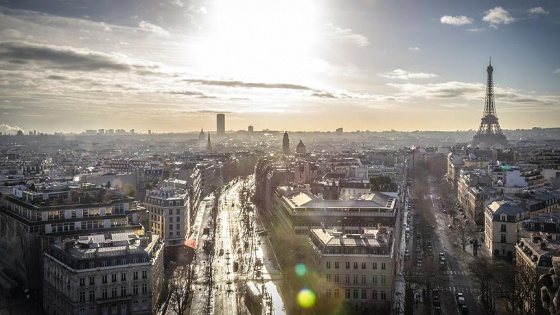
(129, 191)
(381, 183)
(180, 288)
(108, 184)
(465, 230)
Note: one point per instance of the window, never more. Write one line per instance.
(104, 279)
(503, 238)
(144, 274)
(382, 266)
(177, 211)
(113, 292)
(329, 293)
(91, 280)
(328, 277)
(364, 281)
(347, 265)
(170, 219)
(82, 282)
(355, 265)
(135, 275)
(363, 265)
(336, 265)
(383, 295)
(347, 294)
(382, 279)
(364, 295)
(144, 288)
(123, 276)
(328, 265)
(82, 296)
(170, 211)
(123, 290)
(346, 278)
(92, 295)
(336, 293)
(104, 263)
(503, 228)
(374, 265)
(336, 278)
(374, 295)
(104, 293)
(355, 278)
(135, 289)
(114, 277)
(374, 279)
(355, 294)
(170, 227)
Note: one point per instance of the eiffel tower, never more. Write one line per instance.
(489, 133)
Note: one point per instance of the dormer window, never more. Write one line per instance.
(503, 217)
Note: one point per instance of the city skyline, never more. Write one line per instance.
(290, 65)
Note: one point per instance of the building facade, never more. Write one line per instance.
(117, 273)
(168, 212)
(355, 268)
(32, 218)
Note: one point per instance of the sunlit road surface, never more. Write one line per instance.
(230, 249)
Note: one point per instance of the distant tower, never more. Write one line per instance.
(221, 124)
(300, 148)
(286, 143)
(489, 133)
(209, 144)
(250, 129)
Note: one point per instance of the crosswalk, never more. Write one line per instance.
(456, 272)
(446, 272)
(455, 289)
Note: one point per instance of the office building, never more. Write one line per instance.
(221, 121)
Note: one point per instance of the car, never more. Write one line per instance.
(461, 301)
(406, 251)
(464, 309)
(441, 254)
(435, 294)
(221, 251)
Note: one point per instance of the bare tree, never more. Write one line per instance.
(466, 230)
(180, 288)
(482, 271)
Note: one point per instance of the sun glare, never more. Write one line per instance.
(265, 39)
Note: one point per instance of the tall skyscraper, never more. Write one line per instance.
(286, 144)
(489, 133)
(221, 118)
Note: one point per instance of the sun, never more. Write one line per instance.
(265, 39)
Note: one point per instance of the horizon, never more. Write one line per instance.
(313, 65)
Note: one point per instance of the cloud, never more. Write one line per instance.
(456, 20)
(154, 29)
(407, 75)
(414, 48)
(61, 57)
(537, 11)
(497, 16)
(57, 77)
(469, 91)
(6, 127)
(66, 58)
(347, 35)
(445, 90)
(476, 30)
(323, 94)
(230, 83)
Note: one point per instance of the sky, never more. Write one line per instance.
(295, 65)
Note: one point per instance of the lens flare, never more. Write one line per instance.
(301, 269)
(306, 298)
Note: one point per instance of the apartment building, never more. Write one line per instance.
(101, 274)
(502, 221)
(168, 212)
(355, 268)
(31, 218)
